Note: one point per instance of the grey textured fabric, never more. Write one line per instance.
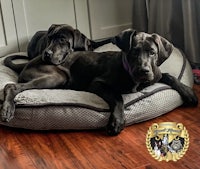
(44, 110)
(176, 20)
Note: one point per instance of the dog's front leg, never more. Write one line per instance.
(116, 121)
(115, 101)
(8, 106)
(50, 81)
(187, 94)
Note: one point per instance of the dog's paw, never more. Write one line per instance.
(7, 112)
(191, 100)
(115, 126)
(189, 97)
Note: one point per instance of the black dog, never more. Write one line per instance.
(59, 40)
(107, 74)
(55, 45)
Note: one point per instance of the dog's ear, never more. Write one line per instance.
(81, 42)
(52, 29)
(124, 39)
(164, 48)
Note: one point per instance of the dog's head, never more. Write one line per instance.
(62, 40)
(144, 52)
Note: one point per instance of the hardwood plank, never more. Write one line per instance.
(12, 154)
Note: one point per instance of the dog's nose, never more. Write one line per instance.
(48, 53)
(145, 69)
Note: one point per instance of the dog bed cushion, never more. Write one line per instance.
(58, 109)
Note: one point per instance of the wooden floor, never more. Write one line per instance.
(22, 149)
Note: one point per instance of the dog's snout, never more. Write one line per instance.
(48, 53)
(145, 69)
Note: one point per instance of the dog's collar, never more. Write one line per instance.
(126, 65)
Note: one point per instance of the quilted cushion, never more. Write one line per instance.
(58, 109)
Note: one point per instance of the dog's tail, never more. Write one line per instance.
(8, 61)
(98, 43)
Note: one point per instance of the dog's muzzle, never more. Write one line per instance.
(140, 74)
(48, 53)
(52, 58)
(144, 74)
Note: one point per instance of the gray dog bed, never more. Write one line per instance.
(67, 109)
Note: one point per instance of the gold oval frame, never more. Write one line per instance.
(172, 129)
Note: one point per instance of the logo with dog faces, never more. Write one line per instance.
(167, 141)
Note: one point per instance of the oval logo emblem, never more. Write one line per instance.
(167, 141)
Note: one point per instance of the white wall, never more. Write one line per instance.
(97, 19)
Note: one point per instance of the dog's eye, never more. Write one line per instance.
(152, 53)
(62, 40)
